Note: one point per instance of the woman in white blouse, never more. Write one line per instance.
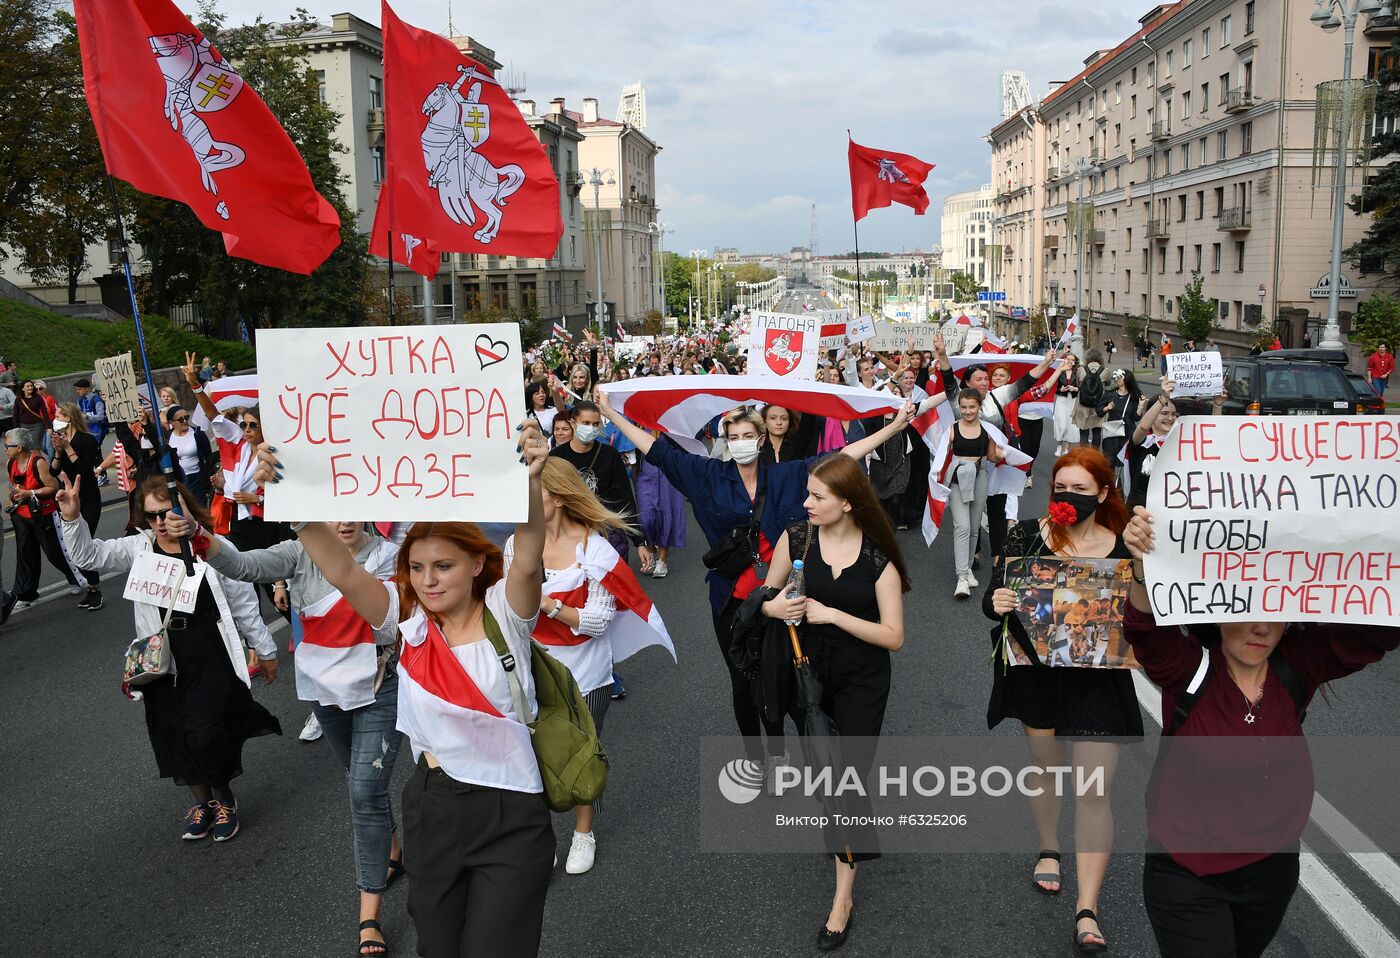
(478, 840)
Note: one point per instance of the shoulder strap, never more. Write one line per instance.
(1291, 680)
(1190, 695)
(761, 497)
(503, 652)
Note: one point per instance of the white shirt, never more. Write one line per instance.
(188, 451)
(240, 477)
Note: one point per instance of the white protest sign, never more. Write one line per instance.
(119, 388)
(1276, 519)
(1195, 374)
(401, 423)
(785, 345)
(974, 338)
(890, 337)
(834, 323)
(631, 349)
(154, 579)
(860, 330)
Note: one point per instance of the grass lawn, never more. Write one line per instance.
(47, 344)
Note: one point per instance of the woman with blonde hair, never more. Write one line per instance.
(76, 453)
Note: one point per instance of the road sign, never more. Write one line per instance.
(1018, 312)
(994, 296)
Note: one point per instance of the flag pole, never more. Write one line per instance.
(162, 447)
(855, 227)
(390, 238)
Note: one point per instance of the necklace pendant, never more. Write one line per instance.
(1249, 718)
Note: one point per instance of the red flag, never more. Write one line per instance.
(881, 178)
(174, 119)
(464, 171)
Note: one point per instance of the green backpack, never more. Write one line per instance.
(572, 762)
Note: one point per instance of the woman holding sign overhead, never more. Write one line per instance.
(199, 716)
(1086, 520)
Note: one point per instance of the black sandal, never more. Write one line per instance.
(1081, 941)
(395, 870)
(383, 946)
(1055, 877)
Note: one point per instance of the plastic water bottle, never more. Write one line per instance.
(796, 587)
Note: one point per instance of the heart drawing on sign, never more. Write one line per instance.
(490, 351)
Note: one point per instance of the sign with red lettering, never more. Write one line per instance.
(1276, 519)
(401, 423)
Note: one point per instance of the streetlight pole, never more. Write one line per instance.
(695, 290)
(1082, 165)
(659, 230)
(1329, 15)
(597, 179)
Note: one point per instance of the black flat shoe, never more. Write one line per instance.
(383, 946)
(1081, 941)
(828, 940)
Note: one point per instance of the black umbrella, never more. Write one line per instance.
(821, 745)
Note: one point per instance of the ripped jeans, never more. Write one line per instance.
(366, 742)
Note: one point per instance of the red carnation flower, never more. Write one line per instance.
(1063, 514)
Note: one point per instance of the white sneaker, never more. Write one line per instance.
(962, 590)
(311, 731)
(581, 853)
(23, 604)
(770, 773)
(74, 589)
(659, 570)
(971, 580)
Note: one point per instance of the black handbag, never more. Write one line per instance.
(732, 555)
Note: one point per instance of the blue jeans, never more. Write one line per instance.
(366, 743)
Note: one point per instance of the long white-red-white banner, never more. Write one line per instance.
(682, 405)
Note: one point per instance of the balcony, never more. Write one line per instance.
(1161, 130)
(1159, 230)
(1234, 219)
(375, 121)
(1238, 100)
(1052, 241)
(1098, 237)
(1052, 172)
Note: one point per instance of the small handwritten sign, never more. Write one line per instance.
(119, 388)
(160, 580)
(1195, 374)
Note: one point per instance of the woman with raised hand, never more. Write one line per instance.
(199, 716)
(76, 453)
(1154, 421)
(478, 841)
(344, 668)
(32, 503)
(1086, 520)
(1222, 862)
(853, 618)
(749, 505)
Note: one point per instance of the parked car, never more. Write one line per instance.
(1285, 382)
(1372, 404)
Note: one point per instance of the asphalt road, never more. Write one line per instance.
(93, 865)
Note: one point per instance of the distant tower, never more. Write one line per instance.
(1015, 93)
(812, 240)
(632, 108)
(513, 83)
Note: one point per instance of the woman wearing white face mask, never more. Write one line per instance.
(604, 473)
(749, 505)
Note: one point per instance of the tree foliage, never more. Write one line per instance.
(1195, 319)
(1377, 321)
(965, 287)
(1134, 327)
(1378, 251)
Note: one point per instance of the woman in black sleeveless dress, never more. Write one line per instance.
(853, 618)
(1079, 703)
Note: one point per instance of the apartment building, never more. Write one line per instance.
(966, 231)
(1191, 145)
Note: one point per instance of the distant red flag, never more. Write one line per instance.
(879, 178)
(174, 119)
(464, 171)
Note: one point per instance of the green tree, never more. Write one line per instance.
(1377, 321)
(965, 287)
(1134, 327)
(753, 273)
(1378, 251)
(1195, 319)
(187, 260)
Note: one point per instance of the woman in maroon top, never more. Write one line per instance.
(1224, 819)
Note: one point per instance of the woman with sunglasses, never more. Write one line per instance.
(76, 453)
(199, 717)
(192, 452)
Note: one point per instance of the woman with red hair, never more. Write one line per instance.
(477, 835)
(1087, 519)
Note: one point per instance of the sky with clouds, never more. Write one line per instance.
(751, 99)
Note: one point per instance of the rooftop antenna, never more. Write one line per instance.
(812, 239)
(512, 82)
(451, 30)
(1015, 93)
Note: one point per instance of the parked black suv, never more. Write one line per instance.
(1285, 382)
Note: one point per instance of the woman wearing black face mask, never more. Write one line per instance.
(1083, 704)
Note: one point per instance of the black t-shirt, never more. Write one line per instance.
(605, 473)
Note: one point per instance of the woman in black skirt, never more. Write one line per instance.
(1079, 703)
(853, 618)
(198, 718)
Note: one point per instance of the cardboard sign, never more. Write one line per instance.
(1195, 374)
(156, 579)
(119, 388)
(1072, 610)
(973, 339)
(834, 327)
(632, 349)
(1276, 519)
(894, 337)
(785, 345)
(860, 330)
(401, 423)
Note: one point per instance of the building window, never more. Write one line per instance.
(1186, 105)
(1224, 32)
(1181, 259)
(1205, 151)
(1224, 87)
(1181, 208)
(1378, 59)
(1198, 257)
(321, 85)
(1132, 78)
(376, 93)
(500, 295)
(528, 296)
(1167, 72)
(1246, 138)
(1224, 309)
(1205, 97)
(1248, 76)
(1127, 281)
(1249, 18)
(1151, 73)
(1118, 135)
(114, 251)
(1166, 162)
(1185, 157)
(376, 154)
(1239, 256)
(1132, 107)
(1187, 52)
(1167, 113)
(1118, 92)
(1219, 200)
(1215, 257)
(1205, 43)
(1222, 143)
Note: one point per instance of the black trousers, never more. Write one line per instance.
(478, 861)
(1232, 915)
(1032, 431)
(744, 693)
(34, 536)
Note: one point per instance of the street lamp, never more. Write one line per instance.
(695, 289)
(598, 179)
(659, 230)
(1327, 17)
(1081, 165)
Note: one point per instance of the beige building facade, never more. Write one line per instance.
(966, 231)
(1192, 142)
